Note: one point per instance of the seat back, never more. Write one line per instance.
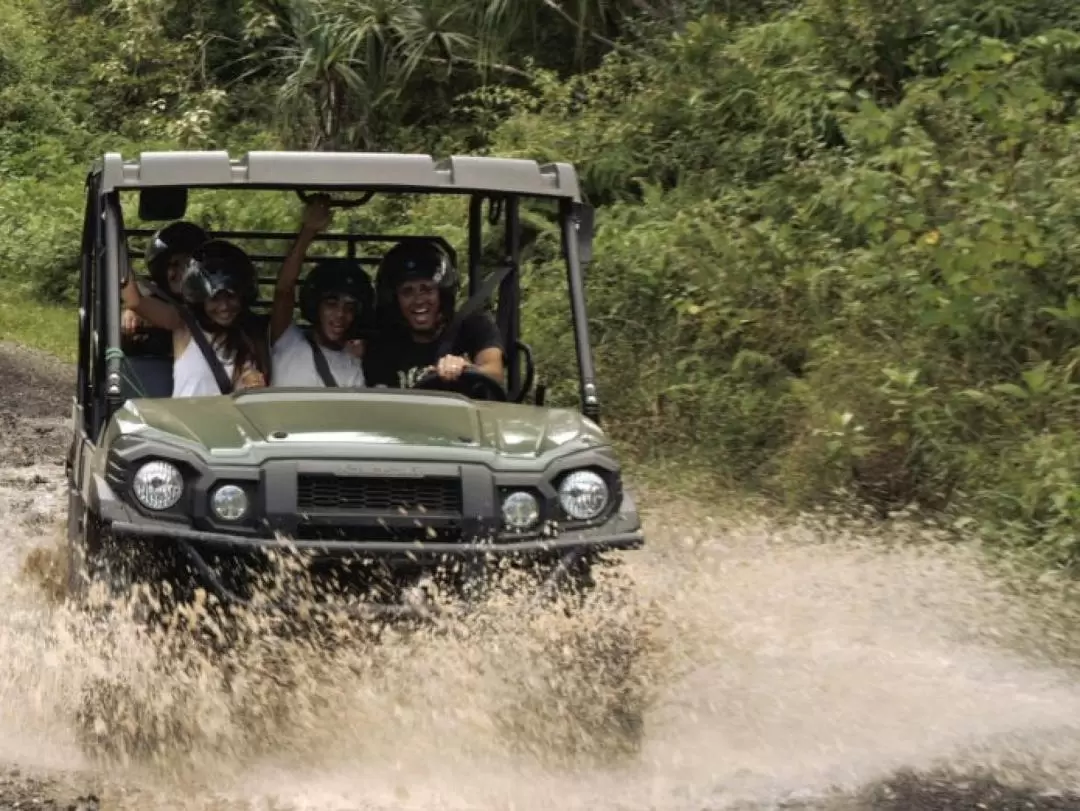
(147, 376)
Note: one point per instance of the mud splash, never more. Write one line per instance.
(793, 664)
(781, 663)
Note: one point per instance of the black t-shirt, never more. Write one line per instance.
(396, 360)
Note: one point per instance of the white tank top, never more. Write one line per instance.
(192, 375)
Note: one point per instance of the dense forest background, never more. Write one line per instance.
(836, 238)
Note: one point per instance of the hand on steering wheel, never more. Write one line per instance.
(470, 382)
(450, 367)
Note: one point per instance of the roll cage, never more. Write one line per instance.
(162, 181)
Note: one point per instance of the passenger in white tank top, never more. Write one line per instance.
(218, 288)
(192, 375)
(336, 298)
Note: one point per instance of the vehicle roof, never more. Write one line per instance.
(401, 172)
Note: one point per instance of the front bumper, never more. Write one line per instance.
(594, 541)
(200, 548)
(397, 517)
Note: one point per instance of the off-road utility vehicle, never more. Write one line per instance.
(394, 483)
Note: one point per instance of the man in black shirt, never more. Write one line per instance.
(416, 287)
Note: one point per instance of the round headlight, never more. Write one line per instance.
(158, 485)
(520, 510)
(229, 502)
(583, 494)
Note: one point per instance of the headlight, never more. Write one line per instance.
(229, 502)
(520, 510)
(158, 485)
(583, 495)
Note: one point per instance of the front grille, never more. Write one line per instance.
(390, 496)
(316, 532)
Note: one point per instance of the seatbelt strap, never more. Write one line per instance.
(446, 340)
(321, 366)
(223, 381)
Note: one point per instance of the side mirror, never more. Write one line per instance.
(163, 203)
(584, 222)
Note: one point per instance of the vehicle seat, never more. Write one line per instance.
(153, 376)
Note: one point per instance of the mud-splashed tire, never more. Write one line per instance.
(107, 588)
(100, 724)
(92, 573)
(619, 645)
(588, 700)
(616, 724)
(585, 704)
(104, 578)
(116, 724)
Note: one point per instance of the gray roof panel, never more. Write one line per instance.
(311, 170)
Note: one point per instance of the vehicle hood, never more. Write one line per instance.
(284, 420)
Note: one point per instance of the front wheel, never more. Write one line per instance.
(105, 576)
(592, 666)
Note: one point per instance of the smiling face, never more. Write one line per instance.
(336, 316)
(223, 308)
(419, 303)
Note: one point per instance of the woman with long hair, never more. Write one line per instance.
(218, 288)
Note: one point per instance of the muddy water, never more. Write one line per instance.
(796, 666)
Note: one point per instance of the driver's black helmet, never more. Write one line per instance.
(177, 237)
(415, 259)
(337, 276)
(217, 266)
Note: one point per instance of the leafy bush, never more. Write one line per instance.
(827, 270)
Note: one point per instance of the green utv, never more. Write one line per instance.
(375, 488)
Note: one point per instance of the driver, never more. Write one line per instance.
(416, 286)
(335, 298)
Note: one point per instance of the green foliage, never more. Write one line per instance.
(836, 237)
(837, 255)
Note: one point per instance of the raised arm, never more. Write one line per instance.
(317, 216)
(159, 313)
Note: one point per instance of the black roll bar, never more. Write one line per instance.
(114, 238)
(590, 400)
(510, 291)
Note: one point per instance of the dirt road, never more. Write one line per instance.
(787, 673)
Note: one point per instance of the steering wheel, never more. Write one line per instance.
(472, 383)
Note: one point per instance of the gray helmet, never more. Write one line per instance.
(217, 266)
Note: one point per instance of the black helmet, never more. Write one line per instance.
(337, 276)
(420, 259)
(216, 266)
(177, 237)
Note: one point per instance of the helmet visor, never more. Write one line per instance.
(201, 283)
(438, 272)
